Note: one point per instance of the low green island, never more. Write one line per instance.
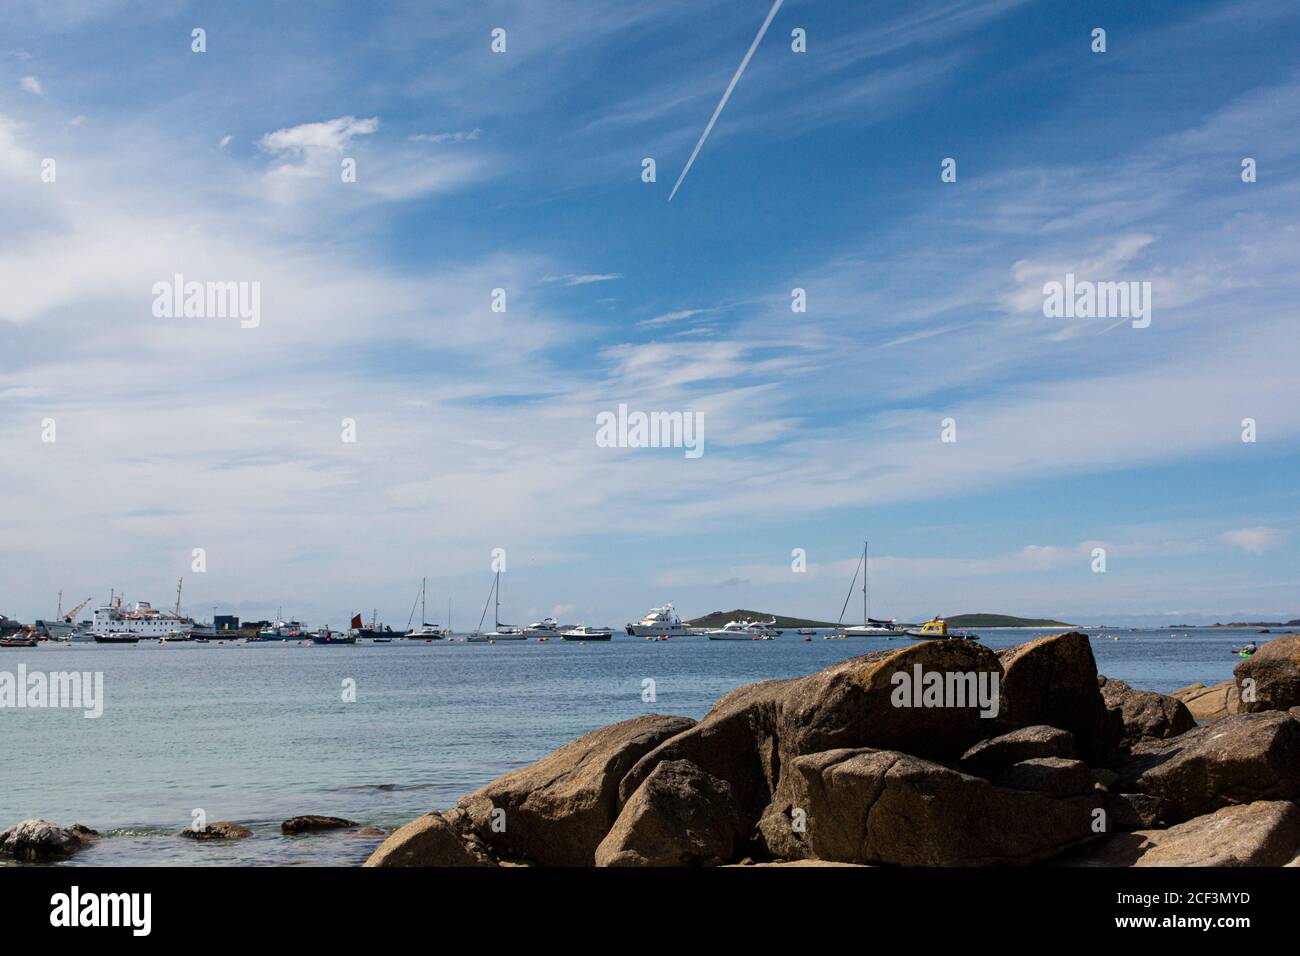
(1002, 620)
(717, 619)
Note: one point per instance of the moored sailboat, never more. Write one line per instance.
(426, 631)
(870, 627)
(499, 632)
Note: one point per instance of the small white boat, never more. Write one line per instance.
(546, 627)
(585, 633)
(741, 631)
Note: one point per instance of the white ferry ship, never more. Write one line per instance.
(141, 620)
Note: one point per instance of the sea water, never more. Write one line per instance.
(381, 733)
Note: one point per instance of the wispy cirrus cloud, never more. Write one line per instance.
(588, 278)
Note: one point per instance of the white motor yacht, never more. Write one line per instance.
(660, 622)
(741, 631)
(585, 633)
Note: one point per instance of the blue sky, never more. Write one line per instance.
(521, 170)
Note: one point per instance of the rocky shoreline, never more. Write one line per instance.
(1022, 756)
(838, 768)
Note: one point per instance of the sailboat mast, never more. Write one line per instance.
(424, 583)
(866, 579)
(496, 611)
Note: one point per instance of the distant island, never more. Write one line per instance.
(1002, 620)
(719, 618)
(1238, 624)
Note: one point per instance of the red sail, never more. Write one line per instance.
(356, 620)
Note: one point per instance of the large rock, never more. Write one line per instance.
(37, 840)
(1210, 703)
(557, 810)
(751, 733)
(1053, 681)
(680, 816)
(1134, 811)
(221, 830)
(1275, 669)
(1235, 760)
(1145, 714)
(735, 742)
(1050, 776)
(311, 822)
(886, 807)
(1264, 833)
(998, 753)
(435, 839)
(862, 702)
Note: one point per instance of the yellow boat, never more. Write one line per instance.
(937, 629)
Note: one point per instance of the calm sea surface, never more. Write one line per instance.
(257, 733)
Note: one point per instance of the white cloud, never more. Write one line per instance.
(1254, 540)
(587, 279)
(668, 318)
(308, 139)
(460, 136)
(31, 84)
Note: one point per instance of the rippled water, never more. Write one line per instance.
(258, 733)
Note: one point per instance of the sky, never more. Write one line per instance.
(523, 171)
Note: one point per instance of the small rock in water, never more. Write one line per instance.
(42, 840)
(305, 824)
(221, 830)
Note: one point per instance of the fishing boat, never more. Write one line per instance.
(18, 641)
(499, 632)
(741, 631)
(373, 631)
(283, 630)
(426, 631)
(327, 636)
(117, 637)
(806, 631)
(659, 622)
(937, 629)
(870, 626)
(585, 633)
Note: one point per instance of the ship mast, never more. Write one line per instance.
(179, 584)
(866, 578)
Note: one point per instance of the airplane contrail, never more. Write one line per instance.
(727, 95)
